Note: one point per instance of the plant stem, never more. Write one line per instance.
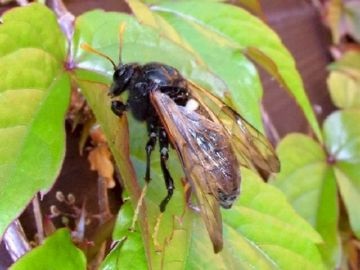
(103, 200)
(270, 127)
(38, 218)
(22, 2)
(65, 17)
(15, 241)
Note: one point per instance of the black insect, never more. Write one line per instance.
(211, 139)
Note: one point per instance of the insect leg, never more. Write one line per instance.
(152, 128)
(150, 147)
(118, 107)
(164, 154)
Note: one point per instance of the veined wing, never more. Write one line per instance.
(207, 158)
(251, 147)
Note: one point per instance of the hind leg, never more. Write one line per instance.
(164, 155)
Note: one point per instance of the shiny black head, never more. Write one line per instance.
(121, 78)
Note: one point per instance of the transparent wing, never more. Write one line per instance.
(207, 158)
(250, 146)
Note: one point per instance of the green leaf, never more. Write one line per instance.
(342, 139)
(179, 228)
(234, 25)
(235, 69)
(348, 64)
(261, 231)
(344, 90)
(24, 27)
(277, 242)
(176, 250)
(147, 17)
(344, 81)
(140, 44)
(310, 186)
(57, 252)
(34, 95)
(124, 220)
(342, 131)
(129, 250)
(116, 133)
(127, 254)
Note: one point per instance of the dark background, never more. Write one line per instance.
(299, 26)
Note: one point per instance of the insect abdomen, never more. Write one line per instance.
(163, 75)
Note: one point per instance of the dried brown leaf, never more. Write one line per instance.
(100, 161)
(353, 253)
(334, 19)
(97, 135)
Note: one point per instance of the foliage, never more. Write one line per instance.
(34, 95)
(261, 231)
(57, 251)
(314, 174)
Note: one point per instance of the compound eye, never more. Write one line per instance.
(118, 73)
(122, 72)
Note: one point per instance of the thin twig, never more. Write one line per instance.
(38, 219)
(103, 200)
(22, 2)
(316, 3)
(65, 17)
(15, 241)
(4, 2)
(269, 126)
(100, 255)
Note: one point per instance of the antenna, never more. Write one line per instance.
(88, 48)
(121, 39)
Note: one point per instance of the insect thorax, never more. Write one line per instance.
(155, 77)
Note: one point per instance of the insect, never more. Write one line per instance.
(210, 138)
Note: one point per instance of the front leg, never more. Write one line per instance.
(118, 107)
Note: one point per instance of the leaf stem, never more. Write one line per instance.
(103, 200)
(269, 126)
(15, 241)
(38, 218)
(22, 2)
